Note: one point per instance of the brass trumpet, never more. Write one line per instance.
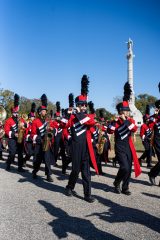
(3, 113)
(101, 142)
(47, 138)
(21, 129)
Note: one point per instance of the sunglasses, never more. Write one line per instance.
(83, 105)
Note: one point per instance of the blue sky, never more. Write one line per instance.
(47, 45)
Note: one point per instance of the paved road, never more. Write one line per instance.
(38, 210)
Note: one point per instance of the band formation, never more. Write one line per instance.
(77, 137)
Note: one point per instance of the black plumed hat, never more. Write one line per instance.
(33, 109)
(58, 109)
(82, 99)
(147, 113)
(101, 115)
(91, 107)
(157, 103)
(71, 100)
(124, 106)
(44, 103)
(15, 109)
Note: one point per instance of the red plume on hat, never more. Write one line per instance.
(157, 103)
(82, 99)
(33, 109)
(58, 109)
(15, 109)
(124, 106)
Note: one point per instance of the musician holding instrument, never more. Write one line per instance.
(28, 143)
(40, 134)
(2, 133)
(155, 126)
(124, 148)
(82, 150)
(145, 134)
(58, 137)
(103, 144)
(13, 130)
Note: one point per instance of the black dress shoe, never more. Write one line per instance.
(69, 192)
(8, 168)
(49, 178)
(126, 192)
(34, 175)
(117, 188)
(20, 169)
(152, 180)
(89, 199)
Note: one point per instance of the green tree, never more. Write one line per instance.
(142, 100)
(107, 114)
(7, 100)
(7, 97)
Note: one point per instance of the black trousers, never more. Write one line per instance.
(57, 145)
(147, 153)
(41, 156)
(99, 159)
(65, 154)
(14, 147)
(125, 161)
(1, 148)
(156, 169)
(80, 163)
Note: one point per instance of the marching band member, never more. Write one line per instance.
(65, 144)
(155, 126)
(82, 150)
(124, 148)
(39, 130)
(2, 132)
(28, 143)
(145, 134)
(103, 144)
(58, 137)
(14, 130)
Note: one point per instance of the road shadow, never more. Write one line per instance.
(65, 224)
(118, 213)
(39, 182)
(151, 195)
(133, 179)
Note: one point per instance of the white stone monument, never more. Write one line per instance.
(135, 113)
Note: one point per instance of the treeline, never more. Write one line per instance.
(7, 98)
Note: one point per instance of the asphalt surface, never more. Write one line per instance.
(37, 210)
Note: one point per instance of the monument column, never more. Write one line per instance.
(137, 115)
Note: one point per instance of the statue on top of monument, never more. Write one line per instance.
(130, 44)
